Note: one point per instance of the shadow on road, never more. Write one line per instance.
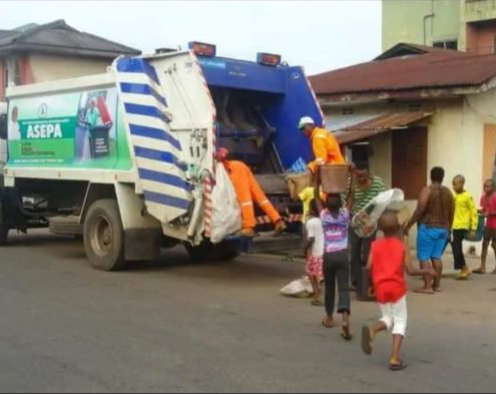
(175, 260)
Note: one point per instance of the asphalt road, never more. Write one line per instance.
(175, 326)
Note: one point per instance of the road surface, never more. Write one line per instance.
(176, 326)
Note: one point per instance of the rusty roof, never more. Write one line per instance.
(410, 67)
(58, 37)
(379, 125)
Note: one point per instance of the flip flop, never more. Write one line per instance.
(317, 303)
(398, 367)
(366, 340)
(327, 325)
(345, 332)
(478, 271)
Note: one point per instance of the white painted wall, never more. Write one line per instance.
(49, 67)
(455, 139)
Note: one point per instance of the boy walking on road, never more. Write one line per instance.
(465, 221)
(488, 210)
(387, 263)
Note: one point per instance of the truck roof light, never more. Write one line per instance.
(268, 59)
(202, 49)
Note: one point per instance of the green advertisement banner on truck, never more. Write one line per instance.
(79, 130)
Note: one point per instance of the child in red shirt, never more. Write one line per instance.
(387, 262)
(488, 210)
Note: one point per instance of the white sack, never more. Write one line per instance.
(300, 288)
(365, 222)
(226, 214)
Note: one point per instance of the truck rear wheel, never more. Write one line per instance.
(4, 231)
(104, 236)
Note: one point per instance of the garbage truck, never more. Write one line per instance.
(126, 160)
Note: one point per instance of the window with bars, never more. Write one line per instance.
(446, 44)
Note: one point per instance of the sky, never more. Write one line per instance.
(320, 35)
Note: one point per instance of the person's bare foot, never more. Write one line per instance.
(437, 289)
(328, 322)
(479, 271)
(423, 290)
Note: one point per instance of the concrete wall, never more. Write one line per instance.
(403, 21)
(48, 67)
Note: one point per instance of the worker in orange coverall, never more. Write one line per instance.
(325, 146)
(248, 191)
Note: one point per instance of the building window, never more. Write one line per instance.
(446, 44)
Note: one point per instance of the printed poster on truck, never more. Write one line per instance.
(72, 129)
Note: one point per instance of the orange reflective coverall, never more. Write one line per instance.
(325, 149)
(247, 191)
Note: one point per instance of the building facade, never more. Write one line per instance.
(467, 25)
(413, 108)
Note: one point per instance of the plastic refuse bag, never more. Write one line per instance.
(226, 214)
(365, 222)
(299, 288)
(479, 234)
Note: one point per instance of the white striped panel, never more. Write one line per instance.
(163, 215)
(148, 121)
(143, 99)
(152, 143)
(140, 78)
(159, 166)
(169, 190)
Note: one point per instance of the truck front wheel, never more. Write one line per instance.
(104, 236)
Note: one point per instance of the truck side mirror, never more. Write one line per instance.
(3, 126)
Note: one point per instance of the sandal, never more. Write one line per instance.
(478, 271)
(398, 367)
(345, 332)
(366, 340)
(317, 303)
(326, 324)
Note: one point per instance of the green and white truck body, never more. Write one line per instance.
(141, 135)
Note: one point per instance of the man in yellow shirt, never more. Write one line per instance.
(325, 146)
(466, 220)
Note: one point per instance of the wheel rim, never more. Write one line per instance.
(102, 237)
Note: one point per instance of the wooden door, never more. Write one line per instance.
(489, 152)
(410, 160)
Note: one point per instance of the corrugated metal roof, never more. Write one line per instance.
(379, 125)
(61, 38)
(436, 68)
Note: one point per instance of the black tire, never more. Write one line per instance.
(104, 236)
(207, 251)
(65, 225)
(4, 231)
